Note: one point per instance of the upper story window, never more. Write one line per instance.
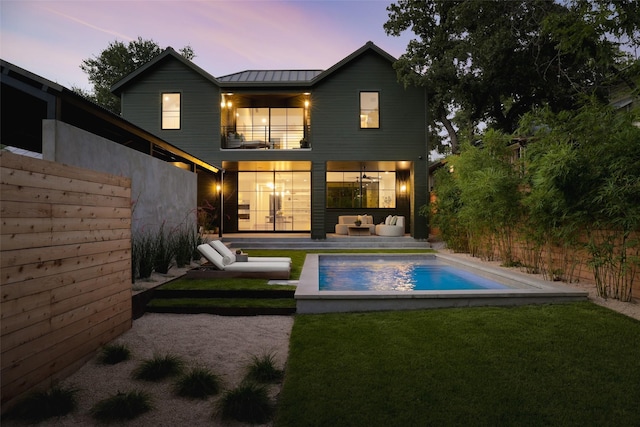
(369, 110)
(170, 111)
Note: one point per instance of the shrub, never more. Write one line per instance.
(158, 368)
(185, 245)
(122, 406)
(165, 249)
(249, 402)
(263, 370)
(143, 254)
(41, 405)
(199, 383)
(114, 353)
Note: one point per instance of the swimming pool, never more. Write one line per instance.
(370, 282)
(424, 273)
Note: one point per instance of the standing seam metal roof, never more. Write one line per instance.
(270, 76)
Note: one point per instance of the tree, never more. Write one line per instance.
(496, 60)
(584, 178)
(116, 62)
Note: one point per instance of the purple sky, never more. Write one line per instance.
(51, 37)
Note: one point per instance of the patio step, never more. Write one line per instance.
(223, 310)
(331, 242)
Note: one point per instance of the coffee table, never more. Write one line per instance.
(355, 230)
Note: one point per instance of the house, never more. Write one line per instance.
(298, 147)
(47, 120)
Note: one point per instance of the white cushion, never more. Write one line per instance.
(211, 255)
(259, 266)
(226, 260)
(223, 250)
(394, 220)
(269, 259)
(387, 221)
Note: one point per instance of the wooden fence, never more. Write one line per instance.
(66, 268)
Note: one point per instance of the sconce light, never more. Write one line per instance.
(222, 104)
(403, 188)
(306, 104)
(229, 104)
(218, 188)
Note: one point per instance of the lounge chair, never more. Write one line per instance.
(269, 270)
(226, 252)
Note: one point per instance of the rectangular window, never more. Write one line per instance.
(369, 110)
(170, 111)
(376, 189)
(277, 128)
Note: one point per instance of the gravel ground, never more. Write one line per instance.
(223, 344)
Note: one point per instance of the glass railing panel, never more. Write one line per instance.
(284, 137)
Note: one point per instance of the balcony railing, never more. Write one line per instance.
(265, 137)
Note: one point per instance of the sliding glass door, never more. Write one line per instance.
(274, 201)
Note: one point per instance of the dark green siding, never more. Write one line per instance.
(200, 109)
(336, 133)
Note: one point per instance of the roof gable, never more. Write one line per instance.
(368, 47)
(253, 78)
(168, 53)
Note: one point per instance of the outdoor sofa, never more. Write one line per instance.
(393, 226)
(346, 221)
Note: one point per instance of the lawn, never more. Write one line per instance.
(570, 365)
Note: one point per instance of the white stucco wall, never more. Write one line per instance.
(160, 192)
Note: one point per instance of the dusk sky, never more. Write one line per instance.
(51, 38)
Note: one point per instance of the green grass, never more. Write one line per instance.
(248, 402)
(41, 405)
(158, 368)
(224, 284)
(569, 365)
(199, 383)
(263, 369)
(112, 354)
(122, 406)
(224, 302)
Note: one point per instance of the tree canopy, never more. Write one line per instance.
(492, 61)
(116, 62)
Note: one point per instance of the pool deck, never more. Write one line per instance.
(523, 289)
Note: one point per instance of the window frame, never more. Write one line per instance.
(360, 109)
(163, 111)
(346, 184)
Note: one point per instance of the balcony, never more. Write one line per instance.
(265, 137)
(265, 121)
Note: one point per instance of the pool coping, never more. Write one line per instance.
(309, 299)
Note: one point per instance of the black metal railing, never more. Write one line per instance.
(266, 137)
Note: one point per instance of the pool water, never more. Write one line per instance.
(380, 274)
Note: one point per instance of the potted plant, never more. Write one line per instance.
(304, 143)
(358, 223)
